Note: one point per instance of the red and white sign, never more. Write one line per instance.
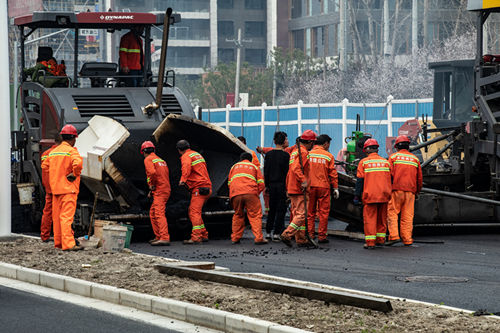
(23, 7)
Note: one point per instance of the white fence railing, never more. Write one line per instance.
(338, 120)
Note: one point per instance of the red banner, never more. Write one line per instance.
(23, 7)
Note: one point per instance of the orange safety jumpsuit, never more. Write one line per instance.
(406, 183)
(322, 174)
(63, 160)
(157, 178)
(245, 183)
(377, 188)
(195, 175)
(131, 52)
(294, 179)
(46, 225)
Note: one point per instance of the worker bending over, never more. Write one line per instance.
(64, 165)
(159, 187)
(245, 183)
(323, 175)
(406, 184)
(374, 181)
(195, 177)
(297, 183)
(46, 225)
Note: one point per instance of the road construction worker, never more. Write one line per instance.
(245, 183)
(195, 177)
(323, 176)
(132, 56)
(297, 183)
(64, 165)
(159, 186)
(46, 225)
(275, 171)
(374, 184)
(255, 159)
(406, 184)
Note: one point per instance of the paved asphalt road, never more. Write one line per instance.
(472, 259)
(25, 312)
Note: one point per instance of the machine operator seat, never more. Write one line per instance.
(98, 72)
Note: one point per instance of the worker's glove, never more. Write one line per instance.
(416, 196)
(150, 194)
(336, 193)
(356, 201)
(304, 186)
(259, 150)
(71, 177)
(152, 188)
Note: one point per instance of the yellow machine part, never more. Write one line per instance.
(483, 4)
(432, 149)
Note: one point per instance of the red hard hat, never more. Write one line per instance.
(369, 143)
(308, 135)
(146, 144)
(401, 138)
(69, 129)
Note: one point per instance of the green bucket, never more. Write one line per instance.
(130, 229)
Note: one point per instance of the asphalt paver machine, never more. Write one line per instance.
(97, 89)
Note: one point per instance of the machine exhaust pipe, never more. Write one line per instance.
(150, 108)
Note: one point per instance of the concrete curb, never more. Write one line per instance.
(191, 313)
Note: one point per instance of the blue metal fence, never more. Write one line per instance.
(338, 120)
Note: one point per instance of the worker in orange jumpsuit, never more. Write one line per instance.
(195, 177)
(245, 183)
(297, 183)
(374, 181)
(64, 165)
(46, 225)
(132, 56)
(323, 175)
(159, 186)
(406, 184)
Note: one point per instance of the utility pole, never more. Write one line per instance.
(239, 44)
(414, 28)
(343, 33)
(386, 28)
(5, 210)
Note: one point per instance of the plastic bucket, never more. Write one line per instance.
(130, 229)
(99, 224)
(113, 238)
(26, 193)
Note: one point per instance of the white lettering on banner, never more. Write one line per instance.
(116, 17)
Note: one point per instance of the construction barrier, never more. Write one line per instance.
(338, 120)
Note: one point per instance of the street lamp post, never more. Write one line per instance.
(239, 44)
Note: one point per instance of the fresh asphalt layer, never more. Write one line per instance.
(463, 272)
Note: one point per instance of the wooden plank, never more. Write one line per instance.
(195, 264)
(348, 234)
(329, 296)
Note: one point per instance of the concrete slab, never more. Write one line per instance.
(205, 316)
(237, 323)
(77, 286)
(105, 293)
(28, 275)
(135, 300)
(54, 281)
(169, 307)
(8, 270)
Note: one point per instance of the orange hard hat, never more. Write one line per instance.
(370, 143)
(69, 129)
(146, 144)
(308, 135)
(400, 139)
